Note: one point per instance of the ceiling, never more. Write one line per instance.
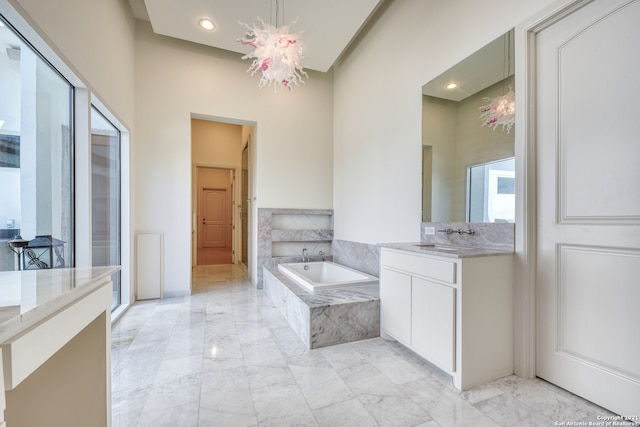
(327, 26)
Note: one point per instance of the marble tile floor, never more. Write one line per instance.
(225, 356)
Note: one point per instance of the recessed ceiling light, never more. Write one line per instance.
(207, 24)
(452, 85)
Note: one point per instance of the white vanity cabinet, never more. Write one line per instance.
(395, 317)
(433, 310)
(456, 312)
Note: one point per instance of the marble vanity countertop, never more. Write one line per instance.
(26, 297)
(449, 251)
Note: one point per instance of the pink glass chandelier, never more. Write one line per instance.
(277, 54)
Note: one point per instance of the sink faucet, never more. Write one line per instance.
(447, 230)
(305, 255)
(469, 231)
(321, 255)
(460, 231)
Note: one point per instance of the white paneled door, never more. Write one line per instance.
(215, 228)
(587, 113)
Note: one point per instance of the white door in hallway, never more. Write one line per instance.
(587, 80)
(215, 230)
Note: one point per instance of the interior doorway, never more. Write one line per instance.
(222, 215)
(214, 222)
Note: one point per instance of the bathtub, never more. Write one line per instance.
(325, 275)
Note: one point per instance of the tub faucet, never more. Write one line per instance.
(305, 255)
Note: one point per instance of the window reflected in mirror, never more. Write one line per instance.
(491, 192)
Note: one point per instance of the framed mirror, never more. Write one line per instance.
(467, 160)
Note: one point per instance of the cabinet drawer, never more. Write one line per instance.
(441, 270)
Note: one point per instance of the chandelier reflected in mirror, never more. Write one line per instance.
(501, 110)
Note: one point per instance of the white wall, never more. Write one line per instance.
(95, 40)
(292, 143)
(377, 106)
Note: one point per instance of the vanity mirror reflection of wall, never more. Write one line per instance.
(467, 169)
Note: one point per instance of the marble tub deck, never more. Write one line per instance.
(327, 317)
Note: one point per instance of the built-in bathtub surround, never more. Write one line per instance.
(322, 275)
(485, 235)
(327, 317)
(283, 233)
(361, 256)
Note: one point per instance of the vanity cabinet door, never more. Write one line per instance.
(395, 305)
(433, 322)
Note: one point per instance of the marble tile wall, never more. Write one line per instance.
(486, 235)
(294, 249)
(299, 219)
(283, 233)
(361, 256)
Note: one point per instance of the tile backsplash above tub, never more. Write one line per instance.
(283, 233)
(360, 256)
